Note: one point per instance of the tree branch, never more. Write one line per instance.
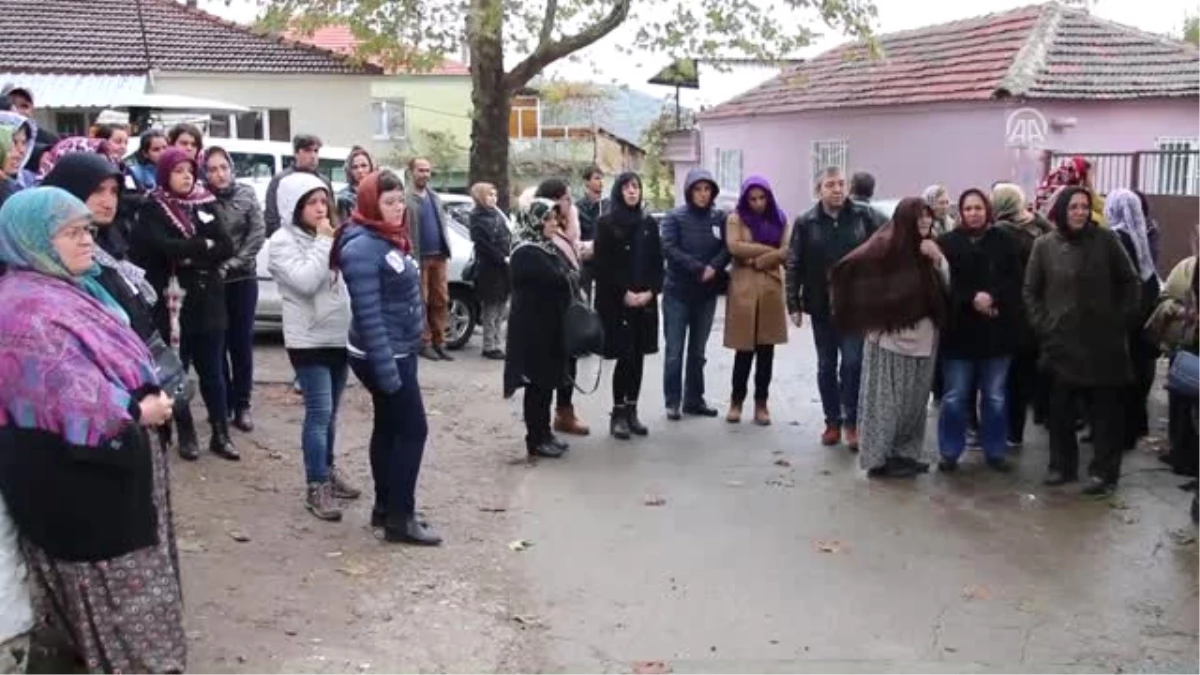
(548, 22)
(551, 51)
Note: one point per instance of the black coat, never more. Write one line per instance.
(991, 264)
(628, 257)
(542, 283)
(493, 245)
(161, 249)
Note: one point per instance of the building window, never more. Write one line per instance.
(826, 154)
(71, 123)
(389, 119)
(1177, 167)
(259, 124)
(525, 117)
(250, 125)
(279, 124)
(729, 170)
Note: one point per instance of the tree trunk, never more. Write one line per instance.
(490, 97)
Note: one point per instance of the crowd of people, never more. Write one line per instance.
(120, 278)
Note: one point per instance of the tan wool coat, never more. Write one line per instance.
(755, 310)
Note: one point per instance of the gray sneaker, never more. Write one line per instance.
(340, 488)
(320, 502)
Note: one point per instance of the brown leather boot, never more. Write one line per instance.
(762, 416)
(734, 416)
(565, 422)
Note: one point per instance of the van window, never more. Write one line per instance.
(333, 169)
(252, 165)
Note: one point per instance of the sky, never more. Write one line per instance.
(605, 64)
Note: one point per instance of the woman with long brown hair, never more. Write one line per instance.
(892, 289)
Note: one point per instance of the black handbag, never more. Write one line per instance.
(583, 332)
(172, 376)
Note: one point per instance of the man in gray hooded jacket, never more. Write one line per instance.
(693, 242)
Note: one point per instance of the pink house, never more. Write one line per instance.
(965, 104)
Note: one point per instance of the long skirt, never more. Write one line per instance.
(124, 614)
(892, 405)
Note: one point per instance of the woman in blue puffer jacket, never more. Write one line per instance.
(374, 254)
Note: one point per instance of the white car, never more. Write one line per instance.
(464, 308)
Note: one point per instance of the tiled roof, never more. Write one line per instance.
(104, 36)
(1038, 52)
(341, 40)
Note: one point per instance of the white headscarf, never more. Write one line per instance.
(1123, 211)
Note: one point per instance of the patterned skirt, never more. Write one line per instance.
(892, 405)
(119, 615)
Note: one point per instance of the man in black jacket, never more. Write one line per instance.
(693, 241)
(820, 238)
(306, 156)
(590, 206)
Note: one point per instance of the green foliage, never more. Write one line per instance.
(658, 175)
(1191, 29)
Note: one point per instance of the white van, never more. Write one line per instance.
(260, 160)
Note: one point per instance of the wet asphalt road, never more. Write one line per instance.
(749, 565)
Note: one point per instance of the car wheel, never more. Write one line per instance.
(462, 319)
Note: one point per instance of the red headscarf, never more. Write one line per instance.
(367, 214)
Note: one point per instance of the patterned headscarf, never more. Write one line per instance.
(14, 122)
(29, 221)
(178, 206)
(1008, 201)
(530, 228)
(73, 145)
(1123, 210)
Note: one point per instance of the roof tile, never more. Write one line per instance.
(59, 36)
(341, 40)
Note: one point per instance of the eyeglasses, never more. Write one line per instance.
(78, 233)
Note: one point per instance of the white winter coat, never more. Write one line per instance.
(316, 306)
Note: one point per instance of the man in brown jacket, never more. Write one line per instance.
(431, 246)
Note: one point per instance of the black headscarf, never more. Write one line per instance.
(80, 173)
(1062, 204)
(623, 215)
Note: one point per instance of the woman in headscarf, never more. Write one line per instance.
(758, 234)
(358, 165)
(8, 185)
(23, 133)
(1125, 216)
(73, 145)
(938, 199)
(1083, 297)
(492, 238)
(1025, 386)
(87, 486)
(374, 255)
(316, 319)
(145, 161)
(628, 279)
(543, 281)
(237, 209)
(181, 244)
(893, 290)
(1074, 171)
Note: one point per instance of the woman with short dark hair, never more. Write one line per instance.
(145, 160)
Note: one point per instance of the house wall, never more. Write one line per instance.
(335, 107)
(910, 147)
(439, 103)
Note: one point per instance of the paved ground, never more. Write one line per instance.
(769, 553)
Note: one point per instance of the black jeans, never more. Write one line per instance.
(537, 414)
(765, 355)
(1104, 411)
(566, 393)
(1022, 383)
(1145, 363)
(397, 438)
(627, 379)
(241, 298)
(206, 352)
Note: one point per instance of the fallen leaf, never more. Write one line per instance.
(492, 509)
(976, 593)
(781, 481)
(519, 544)
(353, 569)
(190, 545)
(275, 455)
(651, 668)
(782, 462)
(654, 500)
(333, 554)
(828, 545)
(291, 632)
(239, 536)
(952, 650)
(527, 620)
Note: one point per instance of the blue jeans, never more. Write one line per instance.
(206, 352)
(961, 379)
(397, 438)
(322, 386)
(241, 298)
(838, 383)
(690, 322)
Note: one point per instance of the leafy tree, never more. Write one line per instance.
(535, 34)
(1191, 29)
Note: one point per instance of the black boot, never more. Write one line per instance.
(635, 425)
(618, 423)
(220, 444)
(243, 421)
(545, 448)
(410, 531)
(189, 445)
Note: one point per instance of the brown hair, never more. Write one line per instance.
(480, 190)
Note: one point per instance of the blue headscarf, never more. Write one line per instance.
(29, 221)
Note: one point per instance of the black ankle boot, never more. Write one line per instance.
(618, 423)
(410, 531)
(189, 445)
(220, 443)
(243, 421)
(635, 425)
